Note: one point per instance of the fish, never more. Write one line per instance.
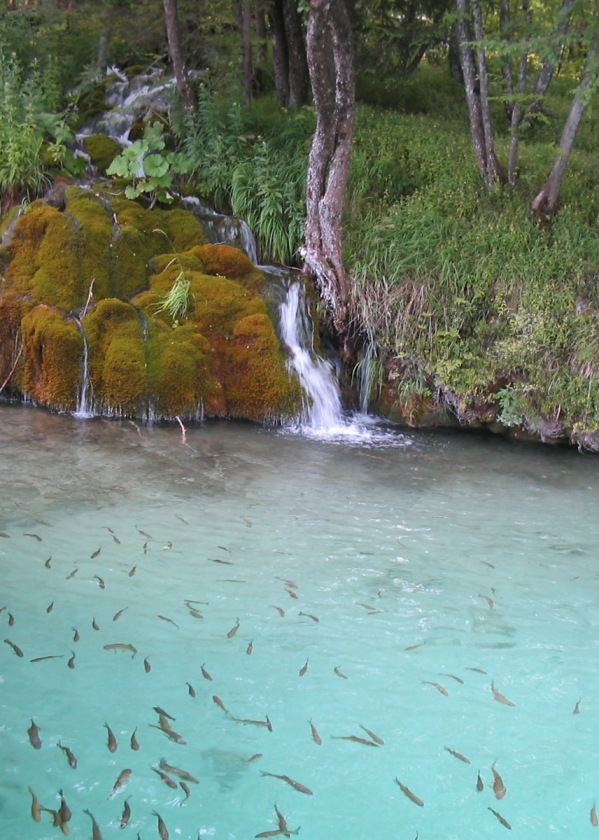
(220, 703)
(486, 562)
(50, 607)
(441, 689)
(112, 742)
(162, 829)
(145, 547)
(499, 788)
(176, 771)
(48, 562)
(76, 635)
(489, 601)
(501, 819)
(577, 707)
(131, 571)
(34, 737)
(64, 810)
(116, 539)
(56, 819)
(315, 736)
(69, 754)
(71, 662)
(170, 733)
(169, 620)
(96, 833)
(233, 629)
(95, 553)
(185, 787)
(290, 583)
(126, 815)
(101, 583)
(413, 647)
(291, 593)
(265, 723)
(339, 672)
(356, 739)
(147, 666)
(121, 646)
(51, 656)
(72, 574)
(121, 781)
(184, 521)
(224, 548)
(164, 778)
(206, 674)
(479, 783)
(36, 807)
(372, 735)
(249, 648)
(35, 536)
(223, 562)
(11, 619)
(118, 614)
(458, 755)
(477, 670)
(95, 624)
(144, 533)
(254, 757)
(406, 790)
(16, 648)
(593, 815)
(500, 697)
(366, 606)
(191, 690)
(280, 610)
(194, 612)
(453, 677)
(5, 535)
(309, 615)
(160, 711)
(303, 669)
(291, 782)
(134, 743)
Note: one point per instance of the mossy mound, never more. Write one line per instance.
(102, 150)
(95, 276)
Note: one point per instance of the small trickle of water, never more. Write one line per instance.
(84, 407)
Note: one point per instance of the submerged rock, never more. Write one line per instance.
(160, 323)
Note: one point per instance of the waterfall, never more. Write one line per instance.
(224, 230)
(322, 411)
(84, 405)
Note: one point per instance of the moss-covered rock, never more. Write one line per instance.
(115, 265)
(102, 150)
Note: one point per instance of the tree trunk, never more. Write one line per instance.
(279, 49)
(546, 201)
(548, 68)
(173, 34)
(299, 79)
(332, 74)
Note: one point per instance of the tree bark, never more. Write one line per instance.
(546, 201)
(173, 34)
(279, 49)
(299, 79)
(332, 74)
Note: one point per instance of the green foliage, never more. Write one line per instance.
(33, 139)
(252, 162)
(149, 167)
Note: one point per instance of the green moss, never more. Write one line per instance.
(224, 260)
(258, 384)
(102, 150)
(53, 352)
(181, 227)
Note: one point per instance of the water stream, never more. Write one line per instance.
(378, 592)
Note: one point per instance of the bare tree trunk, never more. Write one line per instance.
(517, 104)
(548, 68)
(494, 170)
(299, 78)
(332, 74)
(173, 34)
(279, 49)
(464, 35)
(546, 201)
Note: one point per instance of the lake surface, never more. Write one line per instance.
(434, 592)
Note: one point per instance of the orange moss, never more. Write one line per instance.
(12, 309)
(53, 353)
(181, 227)
(224, 260)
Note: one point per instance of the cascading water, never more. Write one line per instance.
(323, 416)
(84, 405)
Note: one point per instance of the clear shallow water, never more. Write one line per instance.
(483, 553)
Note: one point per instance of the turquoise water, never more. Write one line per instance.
(463, 561)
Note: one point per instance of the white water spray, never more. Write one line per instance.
(322, 411)
(84, 409)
